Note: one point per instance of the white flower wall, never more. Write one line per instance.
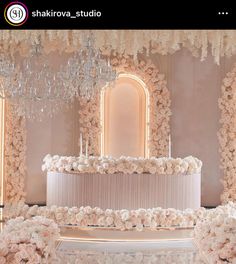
(89, 123)
(227, 135)
(15, 156)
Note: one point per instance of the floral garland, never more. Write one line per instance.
(120, 219)
(219, 42)
(152, 218)
(129, 165)
(89, 123)
(29, 241)
(226, 135)
(89, 113)
(162, 256)
(215, 235)
(15, 156)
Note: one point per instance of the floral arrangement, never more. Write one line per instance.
(120, 219)
(226, 135)
(89, 122)
(199, 42)
(28, 241)
(150, 257)
(15, 156)
(215, 235)
(89, 113)
(129, 165)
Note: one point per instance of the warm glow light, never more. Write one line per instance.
(2, 119)
(102, 109)
(112, 234)
(147, 113)
(1, 223)
(99, 240)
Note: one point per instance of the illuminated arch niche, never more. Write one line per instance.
(125, 118)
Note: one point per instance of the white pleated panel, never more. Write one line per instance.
(124, 191)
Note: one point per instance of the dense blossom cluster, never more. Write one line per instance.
(128, 165)
(227, 132)
(120, 219)
(28, 241)
(15, 156)
(215, 235)
(140, 257)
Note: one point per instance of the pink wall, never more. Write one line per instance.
(195, 89)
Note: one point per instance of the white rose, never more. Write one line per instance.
(128, 225)
(139, 170)
(152, 170)
(139, 227)
(79, 217)
(125, 215)
(61, 169)
(109, 220)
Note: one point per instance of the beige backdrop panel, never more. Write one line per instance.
(195, 89)
(56, 136)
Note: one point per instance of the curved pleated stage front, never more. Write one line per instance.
(124, 191)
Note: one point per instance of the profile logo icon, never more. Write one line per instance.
(16, 13)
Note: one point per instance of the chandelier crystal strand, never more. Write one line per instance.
(87, 72)
(7, 69)
(35, 89)
(6, 66)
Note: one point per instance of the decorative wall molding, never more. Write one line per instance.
(159, 129)
(226, 135)
(199, 42)
(15, 156)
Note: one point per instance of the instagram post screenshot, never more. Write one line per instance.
(117, 133)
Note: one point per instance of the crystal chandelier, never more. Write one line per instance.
(6, 65)
(7, 69)
(87, 72)
(34, 89)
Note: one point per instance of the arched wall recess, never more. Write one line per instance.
(159, 107)
(125, 118)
